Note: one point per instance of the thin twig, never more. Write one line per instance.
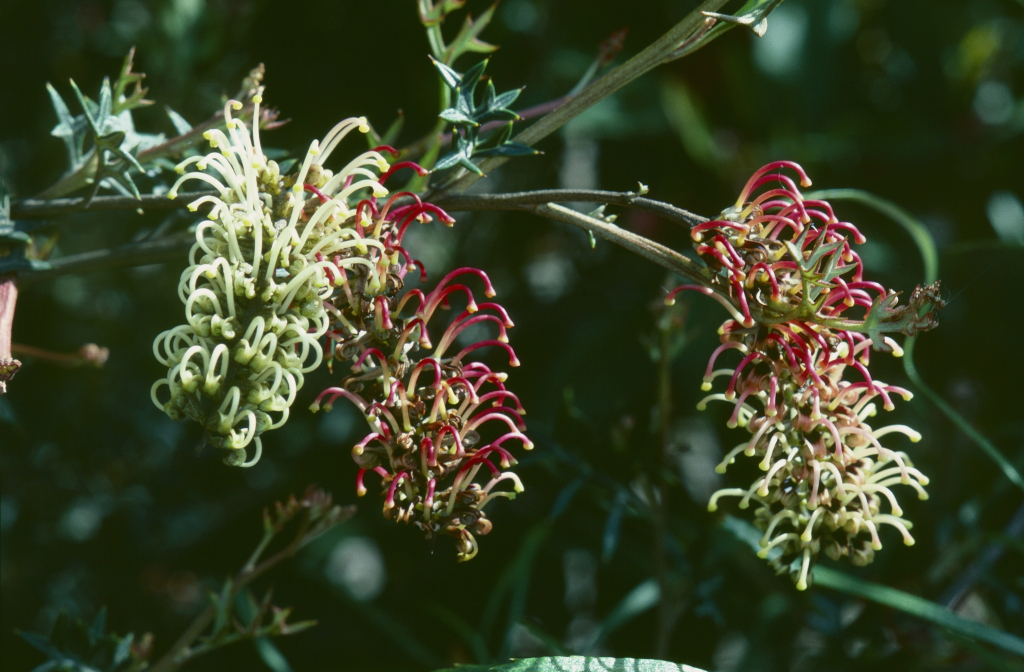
(180, 652)
(132, 254)
(461, 202)
(38, 208)
(648, 249)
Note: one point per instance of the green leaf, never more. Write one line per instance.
(222, 606)
(391, 135)
(99, 624)
(271, 655)
(503, 100)
(467, 84)
(40, 643)
(72, 130)
(454, 116)
(450, 77)
(80, 647)
(468, 39)
(897, 599)
(509, 149)
(449, 161)
(578, 664)
(180, 124)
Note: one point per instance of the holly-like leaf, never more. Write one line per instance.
(468, 38)
(456, 116)
(450, 77)
(467, 116)
(126, 78)
(180, 124)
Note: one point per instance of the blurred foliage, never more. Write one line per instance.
(104, 501)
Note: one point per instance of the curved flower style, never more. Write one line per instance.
(427, 416)
(257, 279)
(826, 472)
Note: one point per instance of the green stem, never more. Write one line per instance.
(826, 577)
(961, 423)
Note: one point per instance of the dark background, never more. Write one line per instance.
(105, 502)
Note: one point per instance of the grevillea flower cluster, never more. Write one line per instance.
(277, 279)
(428, 414)
(258, 275)
(802, 388)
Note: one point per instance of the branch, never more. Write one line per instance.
(132, 254)
(542, 203)
(38, 208)
(513, 201)
(648, 249)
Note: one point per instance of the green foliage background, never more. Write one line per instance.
(105, 501)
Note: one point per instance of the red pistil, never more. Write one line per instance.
(420, 170)
(319, 194)
(513, 360)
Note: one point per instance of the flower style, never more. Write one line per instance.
(826, 472)
(257, 279)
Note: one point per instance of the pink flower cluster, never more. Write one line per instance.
(802, 386)
(428, 405)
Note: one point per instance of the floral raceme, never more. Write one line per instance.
(428, 415)
(290, 268)
(801, 386)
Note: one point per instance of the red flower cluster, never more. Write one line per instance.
(427, 413)
(779, 262)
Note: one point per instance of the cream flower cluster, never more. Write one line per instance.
(258, 275)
